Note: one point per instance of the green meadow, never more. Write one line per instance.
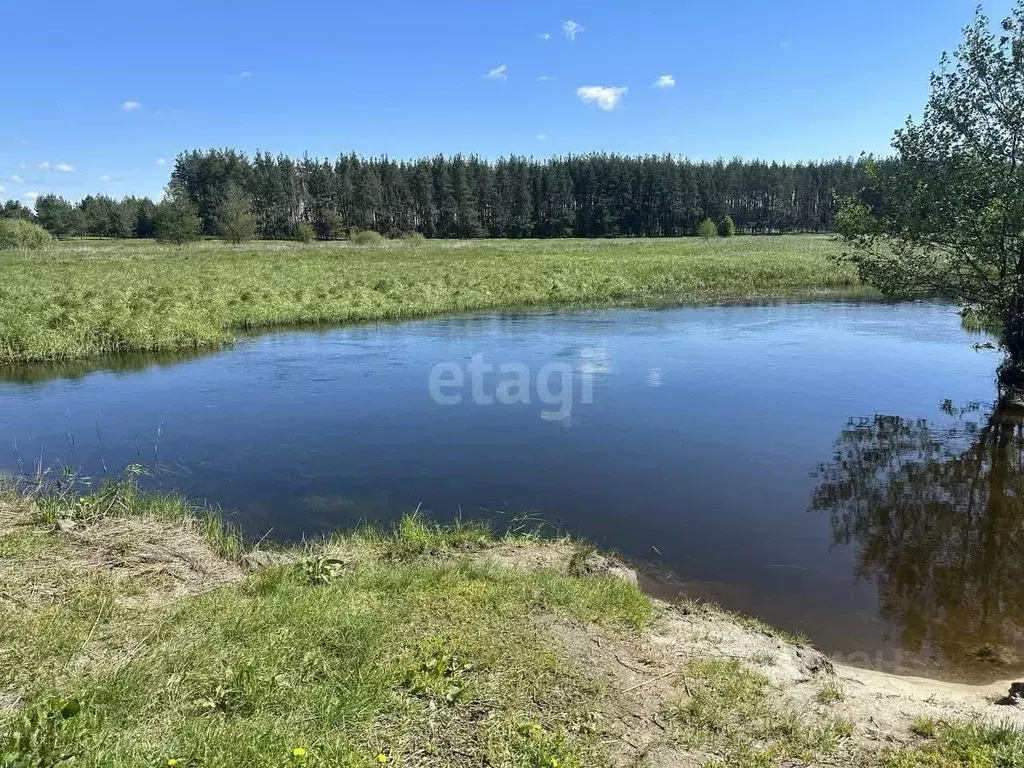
(81, 298)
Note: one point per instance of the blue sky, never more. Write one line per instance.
(106, 90)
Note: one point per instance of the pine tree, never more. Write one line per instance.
(177, 220)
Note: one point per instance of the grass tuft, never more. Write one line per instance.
(735, 714)
(963, 745)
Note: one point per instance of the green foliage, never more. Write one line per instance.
(736, 714)
(235, 220)
(947, 217)
(366, 237)
(101, 216)
(444, 658)
(726, 227)
(176, 220)
(34, 739)
(707, 229)
(304, 232)
(15, 209)
(57, 216)
(514, 197)
(971, 745)
(18, 233)
(321, 569)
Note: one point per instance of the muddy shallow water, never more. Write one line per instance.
(830, 467)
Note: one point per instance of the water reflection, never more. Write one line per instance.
(936, 512)
(40, 372)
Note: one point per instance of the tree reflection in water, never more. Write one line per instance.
(937, 514)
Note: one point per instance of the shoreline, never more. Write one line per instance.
(454, 639)
(78, 301)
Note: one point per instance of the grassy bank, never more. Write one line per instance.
(83, 298)
(136, 633)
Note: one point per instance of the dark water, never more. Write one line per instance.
(799, 462)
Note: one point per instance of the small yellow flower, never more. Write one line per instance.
(172, 761)
(299, 752)
(382, 758)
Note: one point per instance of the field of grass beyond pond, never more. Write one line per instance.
(82, 298)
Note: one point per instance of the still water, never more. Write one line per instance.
(830, 467)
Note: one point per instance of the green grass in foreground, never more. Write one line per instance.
(84, 298)
(131, 636)
(965, 745)
(370, 650)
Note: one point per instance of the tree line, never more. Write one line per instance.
(596, 195)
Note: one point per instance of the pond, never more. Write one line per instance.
(830, 467)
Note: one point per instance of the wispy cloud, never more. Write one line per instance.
(3, 188)
(499, 73)
(106, 177)
(17, 179)
(244, 74)
(544, 78)
(161, 161)
(572, 29)
(545, 36)
(542, 137)
(665, 81)
(63, 167)
(607, 97)
(33, 196)
(130, 106)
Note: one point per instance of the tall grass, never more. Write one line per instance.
(83, 298)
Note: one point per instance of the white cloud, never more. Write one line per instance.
(499, 73)
(17, 179)
(64, 167)
(3, 188)
(245, 74)
(161, 161)
(43, 166)
(542, 137)
(544, 78)
(546, 36)
(130, 106)
(106, 177)
(605, 96)
(33, 196)
(571, 29)
(665, 81)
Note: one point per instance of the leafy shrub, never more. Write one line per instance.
(707, 229)
(367, 237)
(236, 222)
(305, 233)
(727, 227)
(18, 233)
(415, 237)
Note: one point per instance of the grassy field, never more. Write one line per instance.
(138, 632)
(84, 298)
